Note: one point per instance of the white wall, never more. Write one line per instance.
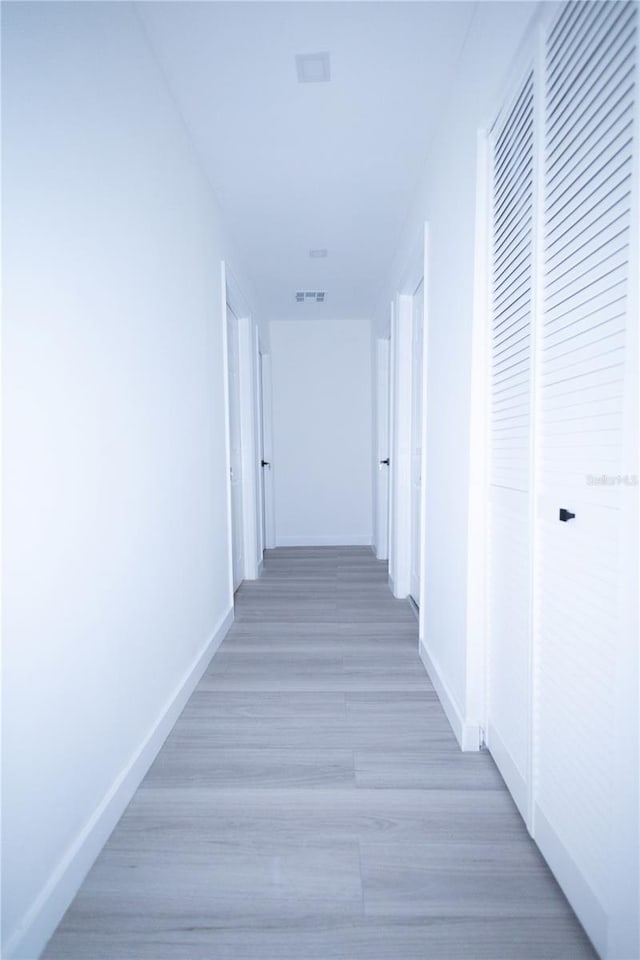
(116, 575)
(446, 199)
(322, 431)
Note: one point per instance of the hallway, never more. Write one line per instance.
(312, 801)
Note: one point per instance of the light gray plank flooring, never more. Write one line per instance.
(312, 802)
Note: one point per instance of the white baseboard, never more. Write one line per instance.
(329, 540)
(588, 907)
(516, 784)
(42, 918)
(380, 553)
(399, 593)
(467, 734)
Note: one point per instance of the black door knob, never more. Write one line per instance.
(566, 515)
(387, 461)
(265, 463)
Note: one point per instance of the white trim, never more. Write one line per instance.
(267, 441)
(329, 540)
(414, 270)
(381, 472)
(535, 395)
(587, 906)
(391, 520)
(624, 893)
(467, 734)
(247, 413)
(234, 295)
(248, 447)
(44, 915)
(422, 596)
(477, 540)
(227, 432)
(417, 415)
(259, 426)
(516, 783)
(400, 534)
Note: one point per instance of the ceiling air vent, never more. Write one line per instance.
(313, 67)
(307, 296)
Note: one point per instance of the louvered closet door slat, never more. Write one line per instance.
(569, 134)
(592, 168)
(510, 440)
(589, 53)
(586, 328)
(586, 128)
(517, 126)
(584, 37)
(577, 103)
(511, 328)
(614, 206)
(582, 356)
(593, 153)
(518, 248)
(570, 25)
(613, 230)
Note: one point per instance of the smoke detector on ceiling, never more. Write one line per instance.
(313, 67)
(316, 254)
(308, 296)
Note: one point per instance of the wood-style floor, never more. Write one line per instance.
(312, 802)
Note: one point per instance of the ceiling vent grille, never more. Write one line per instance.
(308, 296)
(313, 67)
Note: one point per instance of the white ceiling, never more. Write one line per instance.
(302, 166)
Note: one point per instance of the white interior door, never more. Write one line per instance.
(233, 357)
(563, 462)
(587, 411)
(510, 438)
(400, 470)
(267, 454)
(261, 456)
(417, 340)
(383, 465)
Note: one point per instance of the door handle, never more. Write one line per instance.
(265, 463)
(566, 515)
(387, 461)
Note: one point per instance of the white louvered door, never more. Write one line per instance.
(584, 378)
(509, 574)
(562, 711)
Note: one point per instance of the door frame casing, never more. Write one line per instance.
(233, 298)
(417, 403)
(400, 444)
(249, 448)
(259, 421)
(400, 447)
(267, 441)
(425, 433)
(381, 470)
(227, 429)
